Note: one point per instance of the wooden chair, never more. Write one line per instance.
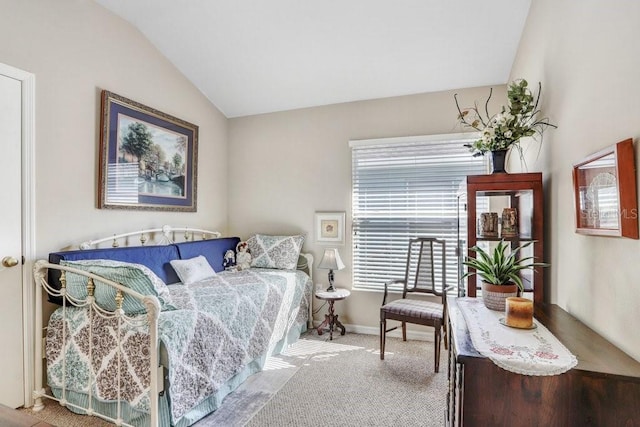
(420, 278)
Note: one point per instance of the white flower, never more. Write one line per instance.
(488, 134)
(518, 119)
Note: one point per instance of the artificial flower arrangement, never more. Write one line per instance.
(504, 129)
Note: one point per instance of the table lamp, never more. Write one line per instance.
(331, 261)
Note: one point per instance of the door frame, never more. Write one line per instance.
(28, 85)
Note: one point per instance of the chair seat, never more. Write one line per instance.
(424, 310)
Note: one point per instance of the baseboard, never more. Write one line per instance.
(427, 335)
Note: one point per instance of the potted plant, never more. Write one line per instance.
(500, 272)
(500, 132)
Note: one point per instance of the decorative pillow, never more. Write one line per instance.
(193, 269)
(137, 277)
(280, 252)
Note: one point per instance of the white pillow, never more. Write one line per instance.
(192, 270)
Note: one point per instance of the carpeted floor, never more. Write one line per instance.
(60, 416)
(344, 383)
(332, 383)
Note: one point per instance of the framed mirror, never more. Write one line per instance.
(604, 186)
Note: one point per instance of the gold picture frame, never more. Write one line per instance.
(148, 159)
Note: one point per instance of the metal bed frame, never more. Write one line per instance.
(164, 235)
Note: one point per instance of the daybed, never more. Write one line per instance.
(129, 348)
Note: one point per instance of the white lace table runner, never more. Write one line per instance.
(523, 351)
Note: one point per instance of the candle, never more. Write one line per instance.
(519, 312)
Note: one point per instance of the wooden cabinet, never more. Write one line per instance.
(602, 390)
(494, 193)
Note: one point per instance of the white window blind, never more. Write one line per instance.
(405, 188)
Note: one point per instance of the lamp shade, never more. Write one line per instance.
(331, 260)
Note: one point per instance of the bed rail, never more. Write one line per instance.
(168, 235)
(159, 236)
(147, 322)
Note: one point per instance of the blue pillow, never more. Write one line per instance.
(213, 250)
(155, 257)
(137, 277)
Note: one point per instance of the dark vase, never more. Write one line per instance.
(497, 161)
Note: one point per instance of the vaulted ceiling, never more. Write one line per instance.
(255, 56)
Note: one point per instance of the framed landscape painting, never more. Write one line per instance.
(148, 159)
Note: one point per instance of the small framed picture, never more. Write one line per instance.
(330, 227)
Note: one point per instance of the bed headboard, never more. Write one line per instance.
(165, 235)
(155, 247)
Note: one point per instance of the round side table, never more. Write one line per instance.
(331, 319)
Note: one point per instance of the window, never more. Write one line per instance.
(404, 188)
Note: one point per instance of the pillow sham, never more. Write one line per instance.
(193, 269)
(279, 252)
(137, 277)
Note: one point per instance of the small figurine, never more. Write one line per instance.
(243, 257)
(229, 261)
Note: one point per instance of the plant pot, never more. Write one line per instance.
(494, 296)
(498, 158)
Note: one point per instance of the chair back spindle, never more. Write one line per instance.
(425, 256)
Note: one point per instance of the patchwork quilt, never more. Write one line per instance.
(220, 325)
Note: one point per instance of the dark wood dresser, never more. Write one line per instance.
(602, 390)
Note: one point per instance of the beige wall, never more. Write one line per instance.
(76, 48)
(286, 166)
(586, 55)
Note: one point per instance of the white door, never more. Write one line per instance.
(11, 304)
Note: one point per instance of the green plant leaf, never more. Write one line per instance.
(500, 267)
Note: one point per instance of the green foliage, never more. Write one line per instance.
(500, 268)
(177, 161)
(517, 120)
(138, 140)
